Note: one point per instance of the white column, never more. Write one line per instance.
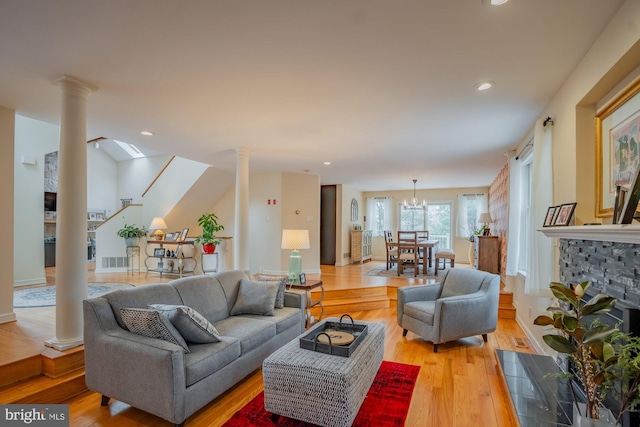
(241, 233)
(7, 138)
(71, 231)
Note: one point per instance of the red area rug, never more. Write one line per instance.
(386, 404)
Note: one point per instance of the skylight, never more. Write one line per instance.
(130, 149)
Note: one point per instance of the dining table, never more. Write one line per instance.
(426, 245)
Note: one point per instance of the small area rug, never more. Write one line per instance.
(408, 272)
(45, 296)
(386, 404)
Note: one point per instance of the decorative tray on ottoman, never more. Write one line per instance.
(336, 338)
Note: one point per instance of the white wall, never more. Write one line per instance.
(102, 173)
(347, 194)
(611, 58)
(265, 224)
(32, 138)
(135, 175)
(7, 132)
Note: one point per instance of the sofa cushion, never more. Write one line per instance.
(206, 359)
(250, 332)
(255, 298)
(421, 310)
(284, 318)
(282, 280)
(192, 325)
(151, 323)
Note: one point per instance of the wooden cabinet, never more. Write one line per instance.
(487, 254)
(361, 245)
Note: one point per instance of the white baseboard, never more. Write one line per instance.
(112, 270)
(7, 317)
(30, 282)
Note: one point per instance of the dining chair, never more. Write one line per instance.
(408, 252)
(392, 249)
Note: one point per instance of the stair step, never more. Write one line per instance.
(346, 305)
(58, 363)
(350, 293)
(506, 311)
(44, 389)
(20, 370)
(506, 298)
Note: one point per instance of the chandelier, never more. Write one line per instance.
(413, 202)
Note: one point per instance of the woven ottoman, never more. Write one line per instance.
(320, 388)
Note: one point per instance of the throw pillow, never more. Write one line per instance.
(151, 323)
(255, 298)
(282, 280)
(192, 325)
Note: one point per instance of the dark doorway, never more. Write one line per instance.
(328, 225)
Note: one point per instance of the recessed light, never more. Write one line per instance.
(327, 163)
(147, 133)
(484, 86)
(498, 2)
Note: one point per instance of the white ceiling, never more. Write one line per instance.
(381, 88)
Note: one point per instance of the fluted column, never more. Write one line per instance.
(71, 231)
(241, 232)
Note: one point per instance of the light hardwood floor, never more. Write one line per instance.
(458, 386)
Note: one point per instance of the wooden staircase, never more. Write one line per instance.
(52, 377)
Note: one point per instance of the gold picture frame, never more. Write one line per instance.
(615, 162)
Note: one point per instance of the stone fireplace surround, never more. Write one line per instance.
(606, 255)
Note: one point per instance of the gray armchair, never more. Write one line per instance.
(464, 304)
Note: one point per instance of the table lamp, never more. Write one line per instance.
(485, 218)
(295, 240)
(158, 225)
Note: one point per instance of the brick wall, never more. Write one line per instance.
(612, 268)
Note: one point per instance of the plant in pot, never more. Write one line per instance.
(589, 343)
(132, 234)
(208, 240)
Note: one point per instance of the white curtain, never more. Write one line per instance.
(482, 205)
(515, 193)
(371, 213)
(540, 260)
(461, 219)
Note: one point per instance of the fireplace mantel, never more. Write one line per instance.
(625, 233)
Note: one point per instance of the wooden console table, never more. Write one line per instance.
(307, 287)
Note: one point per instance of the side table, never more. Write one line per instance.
(307, 287)
(133, 252)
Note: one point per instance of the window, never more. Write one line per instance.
(439, 223)
(435, 217)
(470, 206)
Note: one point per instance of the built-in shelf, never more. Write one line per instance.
(624, 233)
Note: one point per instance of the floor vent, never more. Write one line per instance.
(519, 342)
(114, 262)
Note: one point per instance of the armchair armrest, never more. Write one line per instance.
(408, 294)
(154, 379)
(465, 315)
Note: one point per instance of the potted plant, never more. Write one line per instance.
(132, 234)
(605, 359)
(208, 240)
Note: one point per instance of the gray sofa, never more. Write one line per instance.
(463, 304)
(162, 377)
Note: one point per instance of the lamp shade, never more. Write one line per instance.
(295, 239)
(158, 224)
(485, 218)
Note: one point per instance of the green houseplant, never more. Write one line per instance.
(208, 239)
(607, 360)
(132, 234)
